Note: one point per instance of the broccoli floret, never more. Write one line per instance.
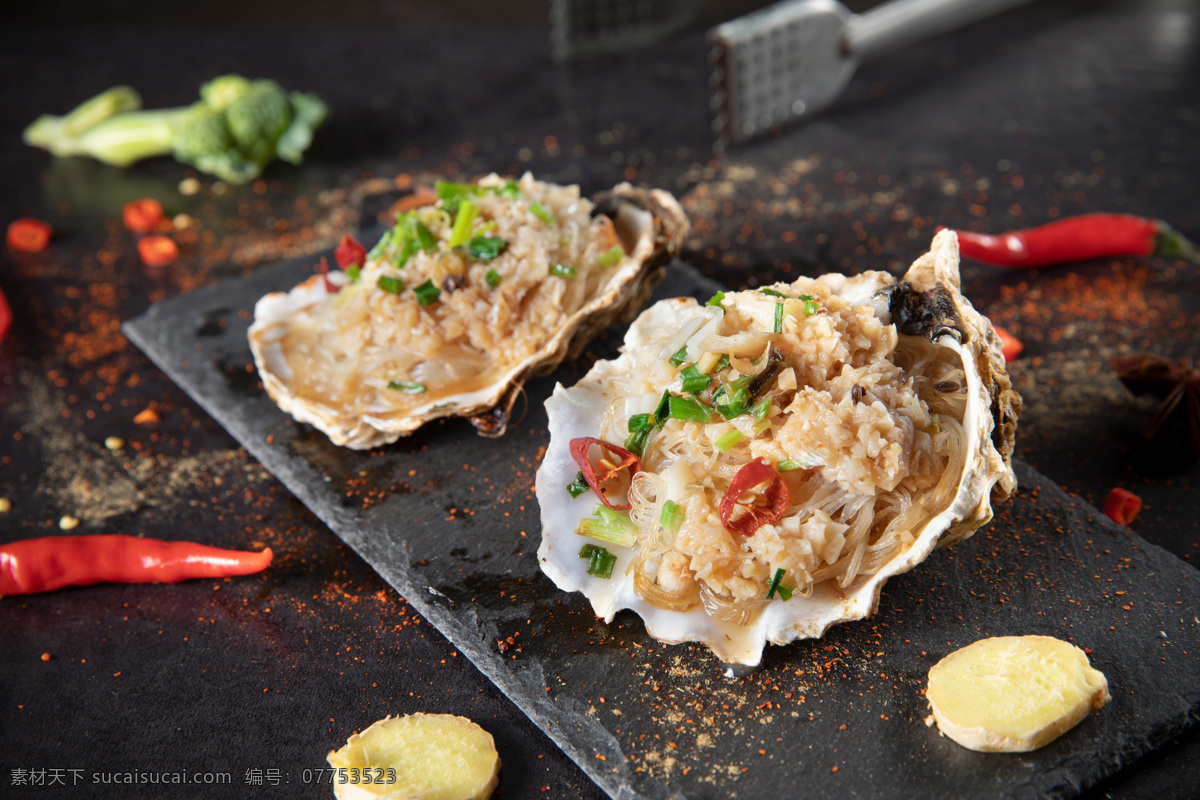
(238, 127)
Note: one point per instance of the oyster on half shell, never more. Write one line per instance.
(459, 304)
(800, 444)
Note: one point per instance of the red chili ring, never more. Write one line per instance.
(776, 494)
(579, 452)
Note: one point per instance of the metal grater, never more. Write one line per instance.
(582, 28)
(793, 59)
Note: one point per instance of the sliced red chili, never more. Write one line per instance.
(617, 468)
(1010, 345)
(1122, 506)
(330, 286)
(350, 253)
(142, 215)
(28, 235)
(51, 562)
(765, 508)
(157, 251)
(1081, 238)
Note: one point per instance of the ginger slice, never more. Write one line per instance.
(417, 757)
(1013, 693)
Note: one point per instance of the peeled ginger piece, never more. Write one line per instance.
(1013, 693)
(417, 757)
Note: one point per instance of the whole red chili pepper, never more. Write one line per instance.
(350, 253)
(612, 468)
(775, 494)
(51, 562)
(1081, 238)
(1010, 345)
(1122, 506)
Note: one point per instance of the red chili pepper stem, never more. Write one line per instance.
(52, 562)
(1173, 244)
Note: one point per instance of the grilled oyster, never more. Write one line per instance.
(795, 447)
(459, 304)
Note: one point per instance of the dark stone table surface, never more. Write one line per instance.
(1051, 110)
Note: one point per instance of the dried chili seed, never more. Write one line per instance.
(615, 474)
(766, 507)
(1122, 506)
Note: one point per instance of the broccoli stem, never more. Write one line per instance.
(57, 134)
(126, 138)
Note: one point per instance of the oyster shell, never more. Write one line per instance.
(886, 413)
(445, 321)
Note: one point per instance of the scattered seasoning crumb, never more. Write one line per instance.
(68, 523)
(147, 416)
(45, 656)
(5, 505)
(114, 443)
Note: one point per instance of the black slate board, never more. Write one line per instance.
(449, 520)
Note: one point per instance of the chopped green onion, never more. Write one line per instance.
(427, 293)
(721, 365)
(423, 236)
(381, 246)
(787, 465)
(562, 270)
(739, 398)
(811, 306)
(609, 526)
(772, 293)
(541, 213)
(672, 517)
(779, 318)
(776, 586)
(694, 381)
(578, 486)
(452, 194)
(640, 426)
(611, 256)
(662, 410)
(510, 190)
(408, 387)
(715, 300)
(353, 272)
(761, 408)
(485, 248)
(390, 284)
(407, 250)
(937, 424)
(761, 427)
(689, 410)
(467, 211)
(679, 357)
(728, 440)
(493, 278)
(600, 561)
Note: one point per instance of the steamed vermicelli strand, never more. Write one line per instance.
(729, 609)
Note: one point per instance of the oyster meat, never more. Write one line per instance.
(795, 445)
(459, 304)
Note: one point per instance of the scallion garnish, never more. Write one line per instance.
(779, 318)
(640, 426)
(421, 235)
(427, 293)
(461, 232)
(493, 278)
(452, 194)
(772, 293)
(578, 486)
(761, 427)
(777, 586)
(679, 357)
(811, 306)
(611, 256)
(694, 381)
(408, 248)
(408, 387)
(671, 518)
(739, 398)
(721, 365)
(937, 424)
(688, 410)
(539, 211)
(510, 190)
(390, 284)
(715, 300)
(381, 246)
(600, 561)
(485, 248)
(562, 270)
(787, 465)
(662, 410)
(761, 408)
(609, 526)
(728, 440)
(353, 272)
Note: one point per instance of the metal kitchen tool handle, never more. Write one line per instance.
(794, 58)
(902, 22)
